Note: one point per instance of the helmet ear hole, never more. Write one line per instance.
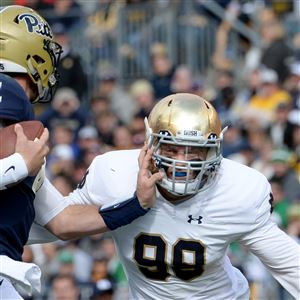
(38, 59)
(16, 19)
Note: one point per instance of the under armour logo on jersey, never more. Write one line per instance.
(192, 220)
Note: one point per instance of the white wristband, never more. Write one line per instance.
(12, 170)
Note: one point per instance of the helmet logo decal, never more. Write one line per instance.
(188, 133)
(33, 24)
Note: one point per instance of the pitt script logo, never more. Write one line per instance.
(34, 25)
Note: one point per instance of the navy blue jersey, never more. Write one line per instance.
(16, 217)
(16, 202)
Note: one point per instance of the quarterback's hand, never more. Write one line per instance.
(33, 152)
(146, 182)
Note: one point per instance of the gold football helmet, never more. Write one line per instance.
(27, 46)
(190, 124)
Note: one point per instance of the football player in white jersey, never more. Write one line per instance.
(203, 203)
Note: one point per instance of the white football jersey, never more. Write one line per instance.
(179, 251)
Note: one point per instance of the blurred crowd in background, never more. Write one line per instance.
(249, 70)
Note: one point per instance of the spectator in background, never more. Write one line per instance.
(65, 262)
(103, 290)
(162, 71)
(182, 81)
(106, 123)
(268, 95)
(70, 68)
(61, 161)
(281, 129)
(64, 287)
(80, 262)
(294, 221)
(61, 133)
(233, 139)
(275, 53)
(262, 161)
(102, 282)
(230, 53)
(224, 99)
(220, 57)
(245, 156)
(294, 144)
(296, 42)
(65, 107)
(292, 84)
(280, 204)
(137, 128)
(283, 172)
(101, 30)
(100, 267)
(120, 102)
(88, 138)
(142, 92)
(98, 104)
(67, 12)
(256, 137)
(115, 267)
(244, 94)
(122, 138)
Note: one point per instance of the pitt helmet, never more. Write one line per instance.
(27, 46)
(188, 122)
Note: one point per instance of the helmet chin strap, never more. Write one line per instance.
(175, 199)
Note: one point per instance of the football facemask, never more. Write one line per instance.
(185, 131)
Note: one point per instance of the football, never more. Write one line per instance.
(32, 129)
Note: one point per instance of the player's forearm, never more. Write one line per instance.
(12, 170)
(76, 221)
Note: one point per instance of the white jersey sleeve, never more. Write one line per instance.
(277, 251)
(107, 179)
(48, 203)
(12, 170)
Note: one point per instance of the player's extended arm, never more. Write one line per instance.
(74, 221)
(279, 253)
(27, 160)
(65, 221)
